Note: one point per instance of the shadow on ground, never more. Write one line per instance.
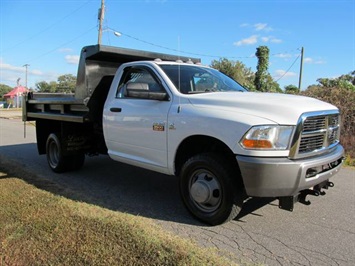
(109, 184)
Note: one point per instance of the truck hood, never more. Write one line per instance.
(279, 108)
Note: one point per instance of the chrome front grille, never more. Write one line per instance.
(314, 123)
(315, 134)
(311, 143)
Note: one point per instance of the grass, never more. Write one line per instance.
(349, 161)
(40, 228)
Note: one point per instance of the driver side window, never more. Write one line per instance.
(139, 78)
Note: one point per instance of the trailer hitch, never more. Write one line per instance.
(288, 202)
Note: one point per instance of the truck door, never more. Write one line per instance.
(135, 126)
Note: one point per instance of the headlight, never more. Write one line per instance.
(267, 137)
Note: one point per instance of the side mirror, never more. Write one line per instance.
(141, 91)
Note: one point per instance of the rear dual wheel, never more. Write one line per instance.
(57, 161)
(210, 189)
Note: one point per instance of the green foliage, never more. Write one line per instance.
(263, 80)
(245, 76)
(44, 86)
(237, 71)
(65, 84)
(225, 66)
(291, 89)
(344, 99)
(344, 81)
(3, 90)
(349, 161)
(271, 85)
(261, 75)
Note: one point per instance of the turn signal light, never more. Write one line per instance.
(257, 144)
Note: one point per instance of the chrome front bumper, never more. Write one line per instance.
(278, 177)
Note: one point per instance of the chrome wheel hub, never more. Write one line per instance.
(205, 190)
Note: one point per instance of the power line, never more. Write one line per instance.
(186, 52)
(47, 28)
(62, 45)
(288, 69)
(206, 55)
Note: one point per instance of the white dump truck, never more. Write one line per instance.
(174, 116)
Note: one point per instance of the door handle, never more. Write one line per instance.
(115, 109)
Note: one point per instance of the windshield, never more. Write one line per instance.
(193, 79)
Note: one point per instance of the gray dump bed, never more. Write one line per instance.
(98, 63)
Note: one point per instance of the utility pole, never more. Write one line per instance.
(101, 18)
(26, 66)
(301, 69)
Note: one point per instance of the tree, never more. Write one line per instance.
(272, 85)
(261, 75)
(344, 81)
(263, 80)
(344, 99)
(66, 83)
(225, 66)
(235, 70)
(351, 77)
(291, 89)
(44, 86)
(3, 90)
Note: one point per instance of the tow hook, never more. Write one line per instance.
(287, 203)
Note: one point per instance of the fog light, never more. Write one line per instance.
(311, 172)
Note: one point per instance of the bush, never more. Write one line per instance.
(344, 99)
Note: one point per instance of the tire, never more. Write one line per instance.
(56, 161)
(209, 188)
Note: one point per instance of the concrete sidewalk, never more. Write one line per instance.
(11, 113)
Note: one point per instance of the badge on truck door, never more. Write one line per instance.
(158, 126)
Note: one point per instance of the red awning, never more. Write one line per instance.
(18, 91)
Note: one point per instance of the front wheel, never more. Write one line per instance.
(210, 189)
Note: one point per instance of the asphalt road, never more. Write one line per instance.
(320, 234)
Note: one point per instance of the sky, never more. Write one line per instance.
(48, 35)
